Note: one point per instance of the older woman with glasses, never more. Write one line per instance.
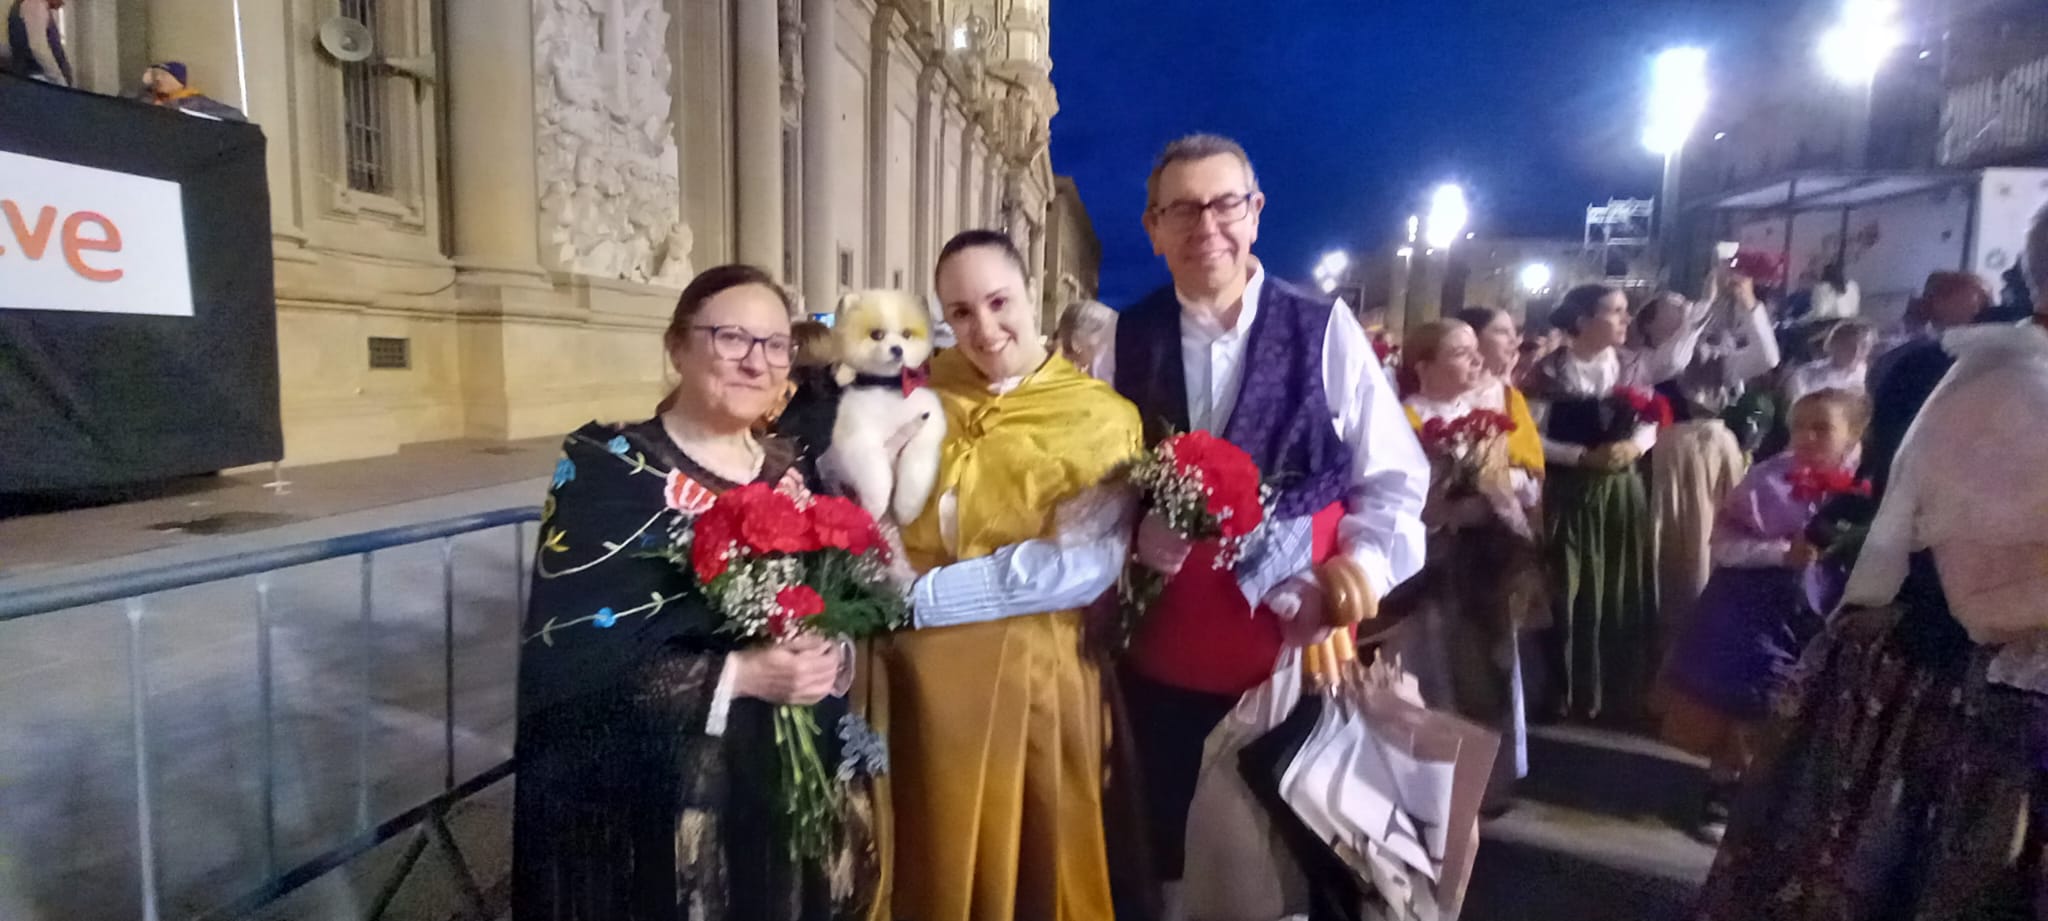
(646, 740)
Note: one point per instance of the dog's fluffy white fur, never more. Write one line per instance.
(878, 334)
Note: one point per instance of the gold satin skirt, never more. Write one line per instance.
(995, 784)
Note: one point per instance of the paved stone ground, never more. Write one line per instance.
(1591, 840)
(1595, 835)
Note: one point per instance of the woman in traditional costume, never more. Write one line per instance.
(994, 713)
(646, 739)
(1699, 357)
(1603, 641)
(1461, 616)
(1905, 776)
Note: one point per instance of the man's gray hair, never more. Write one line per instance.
(1198, 147)
(2036, 260)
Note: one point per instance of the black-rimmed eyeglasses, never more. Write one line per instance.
(1228, 209)
(735, 343)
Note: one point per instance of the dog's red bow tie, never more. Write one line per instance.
(914, 378)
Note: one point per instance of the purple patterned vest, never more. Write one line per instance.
(1282, 417)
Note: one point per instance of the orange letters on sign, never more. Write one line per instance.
(35, 241)
(32, 242)
(108, 241)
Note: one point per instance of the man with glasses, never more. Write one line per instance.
(1292, 378)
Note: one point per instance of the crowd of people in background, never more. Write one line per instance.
(1700, 546)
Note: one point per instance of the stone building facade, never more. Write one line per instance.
(516, 190)
(1073, 255)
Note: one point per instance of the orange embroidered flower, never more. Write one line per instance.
(686, 495)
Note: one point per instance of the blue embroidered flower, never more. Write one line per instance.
(605, 617)
(618, 446)
(862, 750)
(565, 470)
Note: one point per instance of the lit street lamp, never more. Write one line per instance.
(1424, 270)
(1331, 270)
(1678, 97)
(1448, 213)
(1852, 52)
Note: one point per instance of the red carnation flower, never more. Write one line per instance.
(769, 521)
(843, 525)
(1193, 451)
(712, 539)
(800, 601)
(1649, 405)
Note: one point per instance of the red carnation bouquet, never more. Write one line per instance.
(1465, 443)
(1819, 484)
(1206, 490)
(773, 566)
(1648, 406)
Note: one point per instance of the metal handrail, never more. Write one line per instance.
(79, 593)
(430, 817)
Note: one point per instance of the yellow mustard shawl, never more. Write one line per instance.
(1011, 459)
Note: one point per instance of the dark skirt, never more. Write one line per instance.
(1744, 639)
(1893, 786)
(623, 815)
(1603, 593)
(1460, 620)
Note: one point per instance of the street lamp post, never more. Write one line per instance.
(1678, 98)
(1442, 227)
(1852, 51)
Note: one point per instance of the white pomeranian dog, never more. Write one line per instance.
(882, 340)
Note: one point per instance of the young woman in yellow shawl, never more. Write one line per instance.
(993, 714)
(1462, 617)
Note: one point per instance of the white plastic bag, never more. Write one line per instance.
(1237, 866)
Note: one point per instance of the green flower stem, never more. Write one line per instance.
(1141, 589)
(809, 798)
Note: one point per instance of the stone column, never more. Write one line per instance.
(1036, 253)
(881, 109)
(925, 202)
(821, 248)
(971, 166)
(491, 136)
(758, 124)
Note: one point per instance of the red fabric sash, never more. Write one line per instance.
(1202, 636)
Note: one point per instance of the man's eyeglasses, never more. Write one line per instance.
(1228, 209)
(735, 343)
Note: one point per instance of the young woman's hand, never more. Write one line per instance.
(1159, 548)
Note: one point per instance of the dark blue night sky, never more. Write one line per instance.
(1352, 109)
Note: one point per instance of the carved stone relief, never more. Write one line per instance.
(610, 187)
(790, 17)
